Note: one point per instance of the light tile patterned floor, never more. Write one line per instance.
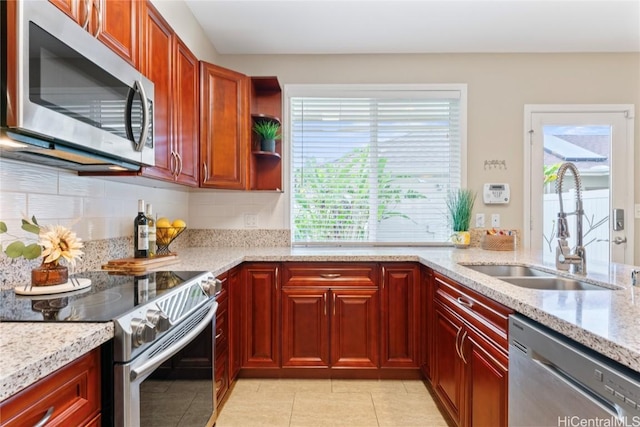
(317, 403)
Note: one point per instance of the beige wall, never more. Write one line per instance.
(499, 85)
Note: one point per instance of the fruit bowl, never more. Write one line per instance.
(164, 237)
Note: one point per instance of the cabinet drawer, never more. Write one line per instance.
(482, 313)
(222, 332)
(221, 377)
(73, 392)
(330, 274)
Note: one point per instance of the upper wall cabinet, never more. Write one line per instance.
(266, 105)
(174, 71)
(224, 143)
(114, 22)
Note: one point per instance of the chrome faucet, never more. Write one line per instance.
(564, 258)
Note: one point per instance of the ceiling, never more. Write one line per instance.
(419, 26)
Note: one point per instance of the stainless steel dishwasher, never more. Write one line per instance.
(554, 381)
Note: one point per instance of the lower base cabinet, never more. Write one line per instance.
(72, 393)
(470, 355)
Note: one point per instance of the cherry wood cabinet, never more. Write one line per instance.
(115, 23)
(174, 71)
(330, 315)
(224, 127)
(73, 393)
(235, 325)
(305, 327)
(470, 363)
(266, 104)
(400, 323)
(354, 328)
(260, 315)
(426, 315)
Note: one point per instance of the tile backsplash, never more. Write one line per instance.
(94, 208)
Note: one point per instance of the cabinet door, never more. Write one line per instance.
(486, 382)
(235, 334)
(426, 323)
(448, 366)
(116, 24)
(72, 9)
(157, 67)
(354, 328)
(73, 392)
(186, 121)
(224, 124)
(260, 316)
(305, 327)
(400, 315)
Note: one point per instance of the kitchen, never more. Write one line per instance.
(499, 86)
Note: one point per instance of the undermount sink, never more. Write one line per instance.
(533, 278)
(553, 284)
(509, 270)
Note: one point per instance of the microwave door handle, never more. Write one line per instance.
(139, 145)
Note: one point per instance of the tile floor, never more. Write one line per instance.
(316, 403)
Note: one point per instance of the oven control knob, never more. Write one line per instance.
(211, 286)
(158, 319)
(142, 331)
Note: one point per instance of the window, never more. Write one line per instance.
(375, 165)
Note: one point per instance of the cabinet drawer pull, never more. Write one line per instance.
(45, 419)
(330, 275)
(456, 344)
(334, 305)
(464, 335)
(325, 303)
(465, 302)
(87, 14)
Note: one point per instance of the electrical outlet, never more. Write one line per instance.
(479, 220)
(495, 220)
(637, 211)
(250, 220)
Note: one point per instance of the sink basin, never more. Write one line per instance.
(534, 278)
(553, 284)
(509, 270)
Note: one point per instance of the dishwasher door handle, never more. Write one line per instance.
(607, 406)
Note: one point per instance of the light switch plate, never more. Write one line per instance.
(479, 220)
(495, 220)
(637, 211)
(250, 220)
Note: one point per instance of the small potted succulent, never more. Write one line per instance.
(268, 131)
(460, 204)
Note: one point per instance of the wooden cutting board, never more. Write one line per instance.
(140, 265)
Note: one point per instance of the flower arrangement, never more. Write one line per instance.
(55, 242)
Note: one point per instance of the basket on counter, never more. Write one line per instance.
(498, 242)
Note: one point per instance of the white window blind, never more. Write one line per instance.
(375, 168)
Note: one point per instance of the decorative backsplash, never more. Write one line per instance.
(97, 252)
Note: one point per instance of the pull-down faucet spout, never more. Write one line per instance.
(564, 258)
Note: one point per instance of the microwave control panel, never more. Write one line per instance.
(493, 194)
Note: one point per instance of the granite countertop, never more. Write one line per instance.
(605, 321)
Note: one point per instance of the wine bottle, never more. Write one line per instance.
(141, 233)
(151, 222)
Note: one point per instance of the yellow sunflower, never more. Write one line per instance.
(59, 242)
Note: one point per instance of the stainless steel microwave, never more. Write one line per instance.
(70, 101)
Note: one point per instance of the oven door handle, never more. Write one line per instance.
(159, 358)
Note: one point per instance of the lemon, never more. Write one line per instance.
(163, 222)
(179, 223)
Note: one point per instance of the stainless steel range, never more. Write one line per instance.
(155, 315)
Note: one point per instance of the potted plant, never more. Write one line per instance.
(460, 204)
(268, 131)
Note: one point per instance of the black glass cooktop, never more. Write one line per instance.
(109, 296)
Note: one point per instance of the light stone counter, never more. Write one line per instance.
(31, 351)
(606, 321)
